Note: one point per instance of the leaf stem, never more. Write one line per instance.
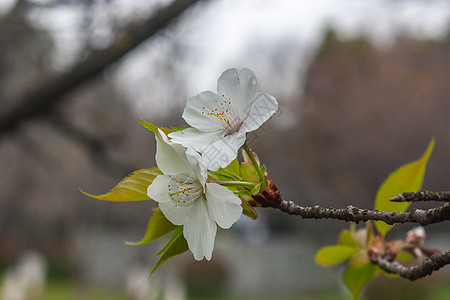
(233, 183)
(253, 160)
(230, 175)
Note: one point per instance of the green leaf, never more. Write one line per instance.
(331, 255)
(256, 189)
(154, 128)
(356, 278)
(404, 256)
(248, 210)
(157, 227)
(249, 173)
(347, 239)
(131, 188)
(229, 173)
(176, 245)
(407, 178)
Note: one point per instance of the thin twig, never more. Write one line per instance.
(354, 214)
(422, 196)
(428, 266)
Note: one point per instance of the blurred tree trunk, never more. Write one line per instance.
(41, 99)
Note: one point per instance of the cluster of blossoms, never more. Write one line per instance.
(200, 185)
(218, 126)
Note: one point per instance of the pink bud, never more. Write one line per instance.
(416, 236)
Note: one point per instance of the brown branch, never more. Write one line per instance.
(271, 197)
(43, 98)
(428, 266)
(354, 214)
(422, 196)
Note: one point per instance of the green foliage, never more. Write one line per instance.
(356, 278)
(247, 209)
(407, 178)
(229, 173)
(154, 128)
(248, 173)
(335, 254)
(131, 188)
(238, 173)
(404, 256)
(157, 227)
(347, 239)
(176, 245)
(332, 255)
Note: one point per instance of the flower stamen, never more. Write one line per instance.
(186, 190)
(226, 115)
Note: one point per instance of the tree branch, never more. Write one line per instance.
(422, 196)
(428, 266)
(354, 214)
(44, 97)
(271, 197)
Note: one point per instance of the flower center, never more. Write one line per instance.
(226, 115)
(184, 189)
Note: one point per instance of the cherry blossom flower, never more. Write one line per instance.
(221, 120)
(185, 198)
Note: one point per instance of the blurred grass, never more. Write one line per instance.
(66, 290)
(398, 289)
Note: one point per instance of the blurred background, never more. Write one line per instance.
(362, 87)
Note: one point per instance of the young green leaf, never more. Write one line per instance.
(356, 278)
(407, 178)
(176, 245)
(332, 255)
(131, 188)
(229, 173)
(157, 227)
(249, 173)
(256, 189)
(154, 128)
(347, 239)
(248, 210)
(404, 256)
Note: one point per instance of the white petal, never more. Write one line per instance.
(248, 88)
(171, 158)
(228, 85)
(159, 189)
(192, 137)
(196, 111)
(262, 108)
(200, 231)
(199, 169)
(221, 153)
(240, 88)
(175, 214)
(223, 205)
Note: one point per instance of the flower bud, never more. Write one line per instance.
(416, 236)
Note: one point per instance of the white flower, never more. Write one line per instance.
(220, 121)
(187, 199)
